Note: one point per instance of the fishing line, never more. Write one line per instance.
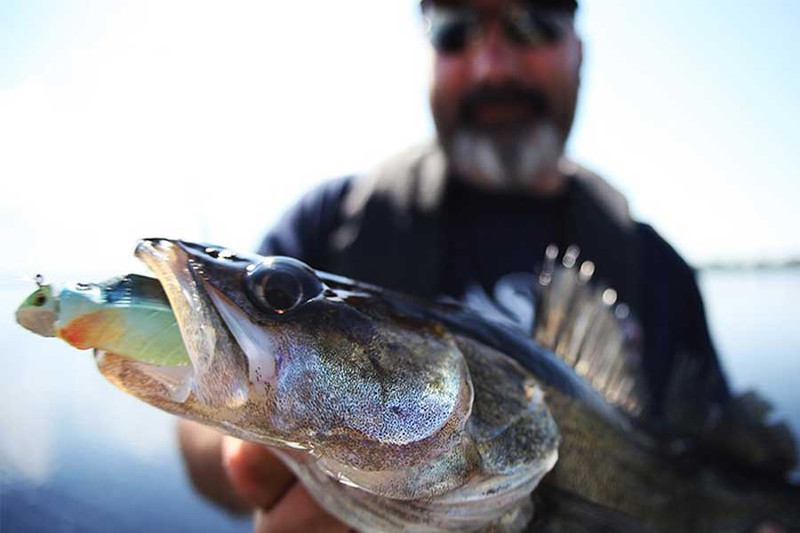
(19, 280)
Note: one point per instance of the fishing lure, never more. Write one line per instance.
(127, 315)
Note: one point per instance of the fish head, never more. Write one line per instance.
(39, 311)
(287, 356)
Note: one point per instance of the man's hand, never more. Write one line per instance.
(242, 476)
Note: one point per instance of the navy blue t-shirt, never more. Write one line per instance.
(482, 236)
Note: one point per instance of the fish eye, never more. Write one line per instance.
(40, 300)
(281, 291)
(281, 284)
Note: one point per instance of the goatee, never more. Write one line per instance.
(510, 158)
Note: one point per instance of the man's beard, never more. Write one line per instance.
(510, 154)
(512, 158)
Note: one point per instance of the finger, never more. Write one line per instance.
(255, 473)
(202, 456)
(297, 511)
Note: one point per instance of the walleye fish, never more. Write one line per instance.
(403, 415)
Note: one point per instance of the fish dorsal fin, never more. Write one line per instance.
(586, 327)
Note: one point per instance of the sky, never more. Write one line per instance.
(206, 120)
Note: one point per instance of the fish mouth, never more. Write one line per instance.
(218, 375)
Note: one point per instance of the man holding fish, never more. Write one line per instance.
(470, 216)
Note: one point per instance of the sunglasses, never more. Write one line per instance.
(451, 29)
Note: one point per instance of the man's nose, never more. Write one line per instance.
(494, 58)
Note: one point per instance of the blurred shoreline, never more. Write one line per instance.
(750, 265)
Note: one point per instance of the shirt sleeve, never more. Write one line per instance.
(680, 359)
(694, 337)
(304, 230)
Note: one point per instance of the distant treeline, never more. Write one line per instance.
(765, 264)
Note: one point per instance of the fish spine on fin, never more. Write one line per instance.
(585, 327)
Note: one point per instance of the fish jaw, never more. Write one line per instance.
(257, 345)
(219, 376)
(165, 387)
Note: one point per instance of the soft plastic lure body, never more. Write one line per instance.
(128, 315)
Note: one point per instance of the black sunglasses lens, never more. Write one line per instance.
(450, 30)
(534, 28)
(451, 38)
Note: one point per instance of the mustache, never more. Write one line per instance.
(533, 99)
